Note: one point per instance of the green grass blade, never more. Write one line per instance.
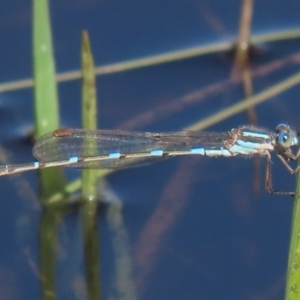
(89, 177)
(45, 91)
(292, 291)
(46, 119)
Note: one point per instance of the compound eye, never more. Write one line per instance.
(285, 140)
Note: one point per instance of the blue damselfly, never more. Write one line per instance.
(119, 149)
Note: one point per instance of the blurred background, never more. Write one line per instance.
(187, 228)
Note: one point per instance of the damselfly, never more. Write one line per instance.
(119, 149)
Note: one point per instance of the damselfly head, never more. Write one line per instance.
(285, 136)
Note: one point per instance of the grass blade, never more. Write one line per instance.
(46, 119)
(292, 291)
(45, 91)
(89, 177)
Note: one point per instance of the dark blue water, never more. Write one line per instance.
(194, 227)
